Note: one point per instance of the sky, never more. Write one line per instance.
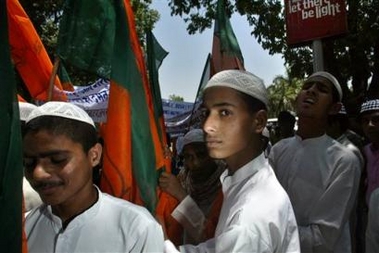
(181, 70)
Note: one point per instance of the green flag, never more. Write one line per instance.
(155, 57)
(86, 35)
(10, 149)
(226, 53)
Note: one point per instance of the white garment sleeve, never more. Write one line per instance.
(151, 240)
(329, 217)
(372, 232)
(236, 239)
(189, 215)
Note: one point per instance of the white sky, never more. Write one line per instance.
(181, 70)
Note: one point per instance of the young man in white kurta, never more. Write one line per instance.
(110, 225)
(256, 215)
(320, 175)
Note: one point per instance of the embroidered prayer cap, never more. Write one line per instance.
(370, 105)
(25, 109)
(61, 109)
(321, 76)
(242, 81)
(194, 135)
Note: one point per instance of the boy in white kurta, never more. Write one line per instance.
(60, 151)
(320, 175)
(256, 215)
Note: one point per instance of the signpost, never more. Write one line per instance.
(313, 20)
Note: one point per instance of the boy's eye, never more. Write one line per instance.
(58, 159)
(225, 112)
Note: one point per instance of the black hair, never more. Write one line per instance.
(77, 131)
(287, 117)
(253, 104)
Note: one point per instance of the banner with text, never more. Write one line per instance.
(309, 20)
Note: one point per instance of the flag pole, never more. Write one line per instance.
(52, 78)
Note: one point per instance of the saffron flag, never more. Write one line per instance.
(133, 150)
(11, 170)
(29, 55)
(226, 53)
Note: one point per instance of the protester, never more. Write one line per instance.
(338, 127)
(286, 125)
(60, 151)
(197, 188)
(256, 214)
(320, 175)
(369, 116)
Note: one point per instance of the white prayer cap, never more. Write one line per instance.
(194, 135)
(61, 109)
(266, 133)
(370, 105)
(322, 75)
(25, 109)
(242, 81)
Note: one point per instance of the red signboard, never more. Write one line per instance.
(314, 19)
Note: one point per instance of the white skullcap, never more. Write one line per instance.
(266, 133)
(25, 109)
(242, 81)
(370, 105)
(322, 75)
(195, 135)
(61, 109)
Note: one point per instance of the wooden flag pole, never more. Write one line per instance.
(52, 78)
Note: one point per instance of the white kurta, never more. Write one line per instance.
(256, 214)
(372, 233)
(110, 225)
(321, 177)
(190, 216)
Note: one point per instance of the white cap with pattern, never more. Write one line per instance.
(25, 109)
(370, 105)
(242, 81)
(61, 109)
(317, 77)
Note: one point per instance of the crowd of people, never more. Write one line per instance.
(239, 189)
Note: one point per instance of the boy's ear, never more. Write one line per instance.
(335, 108)
(260, 120)
(95, 154)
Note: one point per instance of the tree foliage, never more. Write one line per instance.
(353, 58)
(46, 14)
(175, 98)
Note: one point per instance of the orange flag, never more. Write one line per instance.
(29, 55)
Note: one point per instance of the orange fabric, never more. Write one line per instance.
(173, 230)
(20, 98)
(221, 60)
(214, 214)
(28, 53)
(117, 178)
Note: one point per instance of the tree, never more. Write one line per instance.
(353, 58)
(46, 14)
(282, 94)
(175, 98)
